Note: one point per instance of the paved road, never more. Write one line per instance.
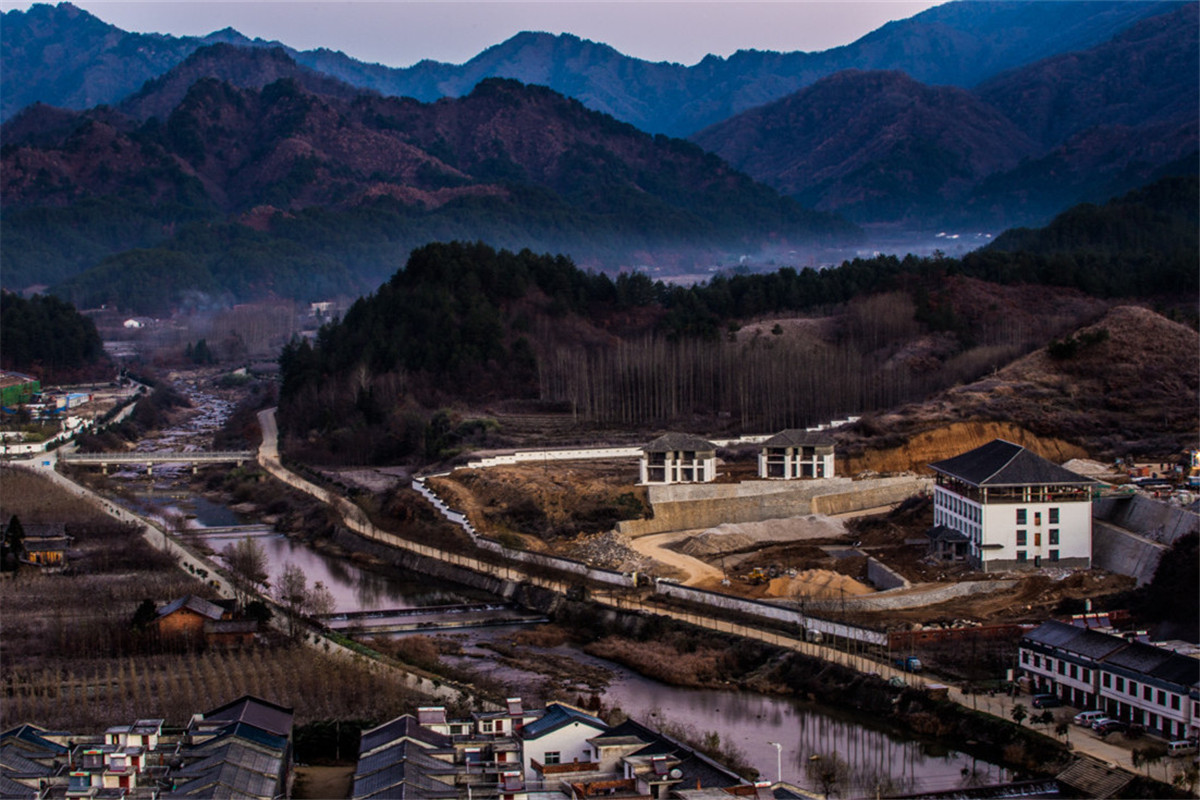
(654, 546)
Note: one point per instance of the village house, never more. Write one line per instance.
(678, 458)
(560, 752)
(796, 453)
(195, 619)
(30, 758)
(1133, 681)
(1004, 507)
(46, 546)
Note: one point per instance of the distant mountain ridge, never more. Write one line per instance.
(512, 164)
(1080, 126)
(63, 56)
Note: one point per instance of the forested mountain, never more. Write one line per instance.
(46, 337)
(514, 164)
(1028, 143)
(874, 145)
(63, 56)
(466, 325)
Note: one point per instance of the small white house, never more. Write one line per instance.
(795, 454)
(557, 743)
(679, 458)
(1016, 509)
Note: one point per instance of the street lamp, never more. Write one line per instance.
(778, 761)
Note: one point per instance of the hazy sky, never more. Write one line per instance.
(402, 32)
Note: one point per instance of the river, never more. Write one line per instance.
(881, 761)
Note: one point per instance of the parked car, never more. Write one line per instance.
(1086, 718)
(1045, 701)
(1181, 747)
(1107, 726)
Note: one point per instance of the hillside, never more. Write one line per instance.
(874, 145)
(518, 165)
(1127, 387)
(1080, 126)
(63, 56)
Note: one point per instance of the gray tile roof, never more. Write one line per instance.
(678, 441)
(257, 712)
(1074, 639)
(403, 727)
(197, 604)
(1000, 463)
(798, 437)
(1155, 662)
(414, 755)
(557, 716)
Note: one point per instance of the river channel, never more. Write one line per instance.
(881, 761)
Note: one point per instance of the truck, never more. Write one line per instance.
(909, 664)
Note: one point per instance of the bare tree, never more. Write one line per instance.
(247, 561)
(298, 599)
(829, 772)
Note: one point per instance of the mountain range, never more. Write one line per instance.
(980, 113)
(63, 56)
(1081, 126)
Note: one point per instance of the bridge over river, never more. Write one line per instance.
(150, 458)
(431, 618)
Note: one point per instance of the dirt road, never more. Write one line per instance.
(654, 546)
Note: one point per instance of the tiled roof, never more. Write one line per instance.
(1000, 463)
(798, 437)
(197, 604)
(404, 727)
(407, 751)
(1155, 662)
(558, 716)
(678, 441)
(257, 712)
(941, 533)
(17, 764)
(401, 779)
(1074, 639)
(17, 791)
(31, 737)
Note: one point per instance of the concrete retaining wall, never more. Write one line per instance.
(885, 601)
(687, 506)
(1149, 518)
(883, 577)
(788, 616)
(1125, 553)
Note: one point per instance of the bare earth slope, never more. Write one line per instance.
(1134, 392)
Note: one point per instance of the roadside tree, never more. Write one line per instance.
(247, 561)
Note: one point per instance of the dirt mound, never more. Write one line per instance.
(820, 584)
(732, 537)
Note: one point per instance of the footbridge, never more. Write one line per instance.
(150, 458)
(431, 618)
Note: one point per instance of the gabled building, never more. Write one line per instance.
(1132, 681)
(185, 617)
(796, 453)
(1016, 509)
(241, 749)
(558, 743)
(678, 458)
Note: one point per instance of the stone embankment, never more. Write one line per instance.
(1131, 534)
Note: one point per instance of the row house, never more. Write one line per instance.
(1003, 507)
(1134, 681)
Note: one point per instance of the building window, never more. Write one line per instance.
(1062, 668)
(1054, 516)
(553, 758)
(1021, 516)
(1024, 657)
(1037, 660)
(1133, 688)
(1037, 538)
(1105, 680)
(1054, 536)
(1074, 672)
(1021, 539)
(1162, 698)
(1054, 555)
(1120, 684)
(1175, 702)
(1147, 693)
(1087, 675)
(1021, 556)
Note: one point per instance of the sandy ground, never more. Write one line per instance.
(694, 570)
(323, 783)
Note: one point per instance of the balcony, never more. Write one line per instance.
(563, 769)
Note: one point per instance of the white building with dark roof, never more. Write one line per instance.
(679, 458)
(1015, 509)
(796, 453)
(1136, 682)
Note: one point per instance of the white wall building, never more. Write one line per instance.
(796, 453)
(679, 458)
(1016, 509)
